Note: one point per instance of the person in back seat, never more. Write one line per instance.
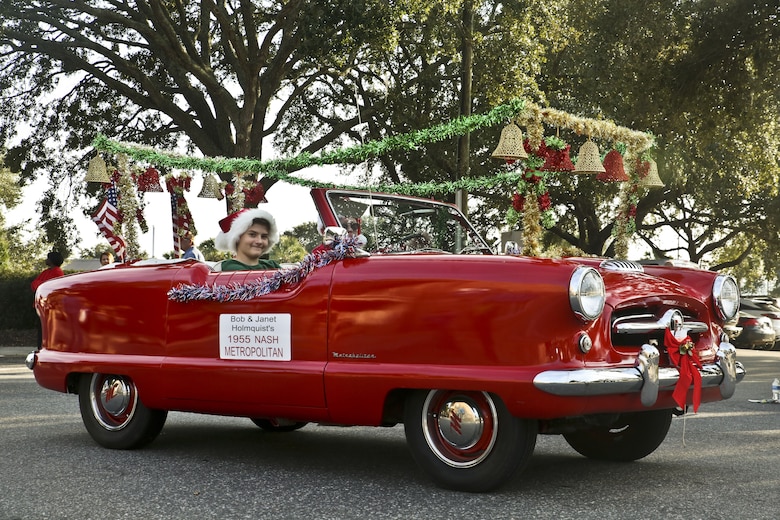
(249, 234)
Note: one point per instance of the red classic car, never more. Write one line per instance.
(415, 321)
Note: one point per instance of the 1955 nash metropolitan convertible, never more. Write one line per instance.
(419, 323)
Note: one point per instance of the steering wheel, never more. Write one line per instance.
(414, 242)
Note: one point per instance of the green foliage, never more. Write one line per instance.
(211, 253)
(16, 300)
(307, 234)
(96, 251)
(16, 254)
(10, 192)
(288, 250)
(702, 76)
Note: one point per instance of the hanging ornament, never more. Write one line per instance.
(96, 171)
(556, 155)
(254, 195)
(647, 171)
(613, 168)
(588, 160)
(149, 181)
(510, 144)
(210, 189)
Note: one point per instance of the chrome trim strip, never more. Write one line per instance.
(644, 326)
(642, 378)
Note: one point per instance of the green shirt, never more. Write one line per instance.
(235, 265)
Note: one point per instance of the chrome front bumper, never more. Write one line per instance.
(646, 377)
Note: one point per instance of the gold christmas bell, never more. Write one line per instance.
(652, 179)
(210, 189)
(510, 145)
(588, 160)
(96, 171)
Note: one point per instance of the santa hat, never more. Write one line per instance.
(236, 224)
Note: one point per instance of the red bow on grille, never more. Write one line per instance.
(683, 354)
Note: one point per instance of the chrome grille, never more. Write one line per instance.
(635, 327)
(625, 266)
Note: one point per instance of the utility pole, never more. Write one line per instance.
(467, 60)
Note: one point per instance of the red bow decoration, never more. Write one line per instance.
(683, 354)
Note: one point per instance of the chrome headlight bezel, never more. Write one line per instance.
(587, 294)
(725, 294)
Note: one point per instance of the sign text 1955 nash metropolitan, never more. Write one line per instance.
(416, 322)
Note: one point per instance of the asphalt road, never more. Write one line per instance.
(723, 462)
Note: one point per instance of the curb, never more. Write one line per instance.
(15, 352)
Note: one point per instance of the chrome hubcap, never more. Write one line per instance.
(460, 424)
(460, 428)
(113, 400)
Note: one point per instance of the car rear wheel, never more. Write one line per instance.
(113, 413)
(630, 437)
(466, 440)
(279, 425)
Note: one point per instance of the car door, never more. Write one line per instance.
(262, 353)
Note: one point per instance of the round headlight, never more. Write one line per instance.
(586, 293)
(725, 292)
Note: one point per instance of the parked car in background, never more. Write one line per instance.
(756, 332)
(475, 353)
(763, 306)
(732, 330)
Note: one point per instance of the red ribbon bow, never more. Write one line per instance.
(683, 354)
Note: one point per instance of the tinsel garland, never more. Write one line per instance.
(177, 186)
(340, 248)
(625, 220)
(128, 207)
(347, 155)
(520, 110)
(534, 115)
(532, 229)
(533, 183)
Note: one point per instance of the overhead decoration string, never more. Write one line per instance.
(524, 112)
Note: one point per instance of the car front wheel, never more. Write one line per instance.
(630, 437)
(466, 440)
(114, 415)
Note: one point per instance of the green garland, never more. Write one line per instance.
(349, 155)
(279, 168)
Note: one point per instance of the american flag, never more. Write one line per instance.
(106, 218)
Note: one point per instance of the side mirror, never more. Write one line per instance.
(332, 232)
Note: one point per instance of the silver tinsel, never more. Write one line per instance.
(340, 249)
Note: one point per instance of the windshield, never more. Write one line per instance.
(395, 224)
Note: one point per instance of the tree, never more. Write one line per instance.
(702, 76)
(211, 253)
(288, 250)
(307, 234)
(15, 253)
(219, 76)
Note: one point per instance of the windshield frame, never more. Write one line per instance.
(463, 239)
